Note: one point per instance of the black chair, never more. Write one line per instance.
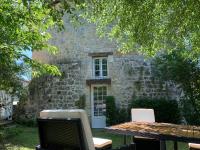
(65, 134)
(60, 134)
(91, 143)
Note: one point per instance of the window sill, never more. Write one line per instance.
(98, 81)
(100, 54)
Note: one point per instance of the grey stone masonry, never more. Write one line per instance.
(57, 92)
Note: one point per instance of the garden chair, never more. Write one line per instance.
(144, 115)
(68, 130)
(194, 146)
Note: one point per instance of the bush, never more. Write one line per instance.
(185, 72)
(115, 115)
(81, 102)
(122, 115)
(165, 110)
(191, 116)
(111, 110)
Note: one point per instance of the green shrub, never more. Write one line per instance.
(81, 102)
(165, 110)
(191, 116)
(185, 72)
(115, 115)
(122, 115)
(111, 111)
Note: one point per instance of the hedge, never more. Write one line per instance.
(165, 110)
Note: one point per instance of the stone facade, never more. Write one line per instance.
(130, 74)
(57, 92)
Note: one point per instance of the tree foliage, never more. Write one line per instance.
(147, 26)
(185, 72)
(24, 26)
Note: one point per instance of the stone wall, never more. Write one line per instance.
(56, 92)
(132, 78)
(74, 43)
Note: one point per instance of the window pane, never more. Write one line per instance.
(97, 73)
(99, 98)
(104, 61)
(96, 61)
(96, 114)
(97, 67)
(104, 92)
(104, 67)
(104, 88)
(101, 89)
(104, 73)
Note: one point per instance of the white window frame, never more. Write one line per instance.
(92, 96)
(97, 121)
(101, 69)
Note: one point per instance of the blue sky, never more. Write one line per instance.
(28, 75)
(28, 53)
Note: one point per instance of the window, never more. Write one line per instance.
(100, 67)
(99, 94)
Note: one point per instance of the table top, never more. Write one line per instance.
(161, 131)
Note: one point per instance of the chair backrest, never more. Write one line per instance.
(73, 114)
(61, 134)
(142, 115)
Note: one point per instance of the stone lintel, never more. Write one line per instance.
(100, 54)
(98, 81)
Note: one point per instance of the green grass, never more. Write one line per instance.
(26, 138)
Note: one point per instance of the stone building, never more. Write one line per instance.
(92, 69)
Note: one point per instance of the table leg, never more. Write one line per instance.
(162, 145)
(132, 146)
(175, 145)
(124, 139)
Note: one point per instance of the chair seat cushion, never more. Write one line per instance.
(194, 145)
(100, 142)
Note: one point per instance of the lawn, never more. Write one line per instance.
(26, 138)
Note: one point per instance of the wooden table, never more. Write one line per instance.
(160, 131)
